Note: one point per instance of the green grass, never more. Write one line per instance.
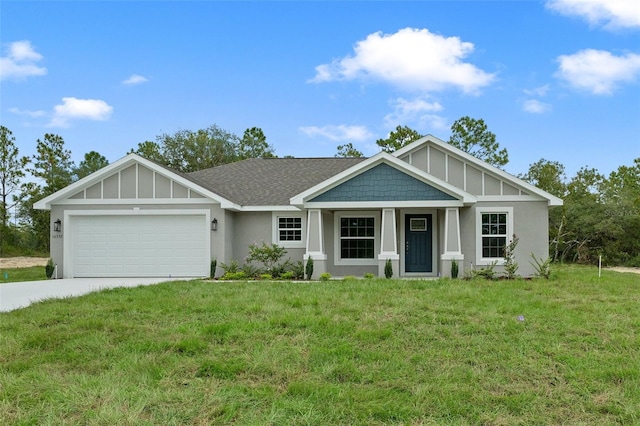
(12, 275)
(565, 351)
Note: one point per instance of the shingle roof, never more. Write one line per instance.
(269, 181)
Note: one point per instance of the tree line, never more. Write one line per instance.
(600, 215)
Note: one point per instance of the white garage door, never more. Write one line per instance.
(139, 246)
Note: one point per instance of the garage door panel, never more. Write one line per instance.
(140, 245)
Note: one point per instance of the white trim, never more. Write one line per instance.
(337, 238)
(131, 201)
(382, 204)
(446, 233)
(509, 198)
(483, 261)
(275, 234)
(485, 167)
(315, 254)
(67, 248)
(269, 209)
(383, 255)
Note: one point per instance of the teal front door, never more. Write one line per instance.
(418, 248)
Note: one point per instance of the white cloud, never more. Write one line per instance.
(598, 71)
(538, 91)
(414, 59)
(80, 109)
(535, 107)
(20, 61)
(33, 114)
(611, 14)
(418, 112)
(135, 79)
(341, 132)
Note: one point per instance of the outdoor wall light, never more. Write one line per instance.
(214, 224)
(57, 225)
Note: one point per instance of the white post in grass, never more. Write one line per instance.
(599, 266)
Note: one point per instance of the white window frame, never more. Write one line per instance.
(483, 261)
(276, 229)
(337, 237)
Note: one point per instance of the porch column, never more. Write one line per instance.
(388, 243)
(452, 246)
(315, 243)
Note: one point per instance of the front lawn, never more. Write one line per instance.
(564, 351)
(32, 273)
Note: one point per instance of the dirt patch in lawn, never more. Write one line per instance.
(624, 269)
(22, 262)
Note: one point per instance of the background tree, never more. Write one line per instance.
(189, 151)
(151, 151)
(547, 175)
(11, 172)
(550, 176)
(51, 165)
(254, 145)
(93, 161)
(619, 231)
(583, 213)
(473, 136)
(400, 137)
(348, 150)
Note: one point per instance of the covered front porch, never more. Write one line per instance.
(419, 242)
(383, 209)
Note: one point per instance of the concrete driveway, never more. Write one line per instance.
(22, 294)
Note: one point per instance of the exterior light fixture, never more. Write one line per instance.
(57, 225)
(214, 224)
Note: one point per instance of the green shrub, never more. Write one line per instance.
(369, 275)
(250, 270)
(510, 264)
(231, 268)
(487, 273)
(234, 276)
(325, 276)
(289, 275)
(269, 255)
(309, 268)
(297, 269)
(266, 277)
(49, 268)
(454, 269)
(388, 269)
(349, 278)
(542, 267)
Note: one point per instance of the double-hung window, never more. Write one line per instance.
(357, 237)
(494, 229)
(494, 234)
(288, 230)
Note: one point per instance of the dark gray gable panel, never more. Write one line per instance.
(383, 183)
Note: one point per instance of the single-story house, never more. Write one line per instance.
(421, 207)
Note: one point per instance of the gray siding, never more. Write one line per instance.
(135, 182)
(459, 172)
(530, 223)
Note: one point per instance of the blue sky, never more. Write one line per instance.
(557, 79)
